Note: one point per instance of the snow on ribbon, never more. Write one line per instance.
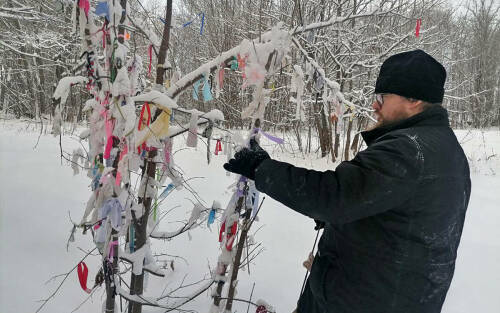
(62, 89)
(157, 98)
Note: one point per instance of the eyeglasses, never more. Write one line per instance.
(379, 97)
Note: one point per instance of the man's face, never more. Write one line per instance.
(392, 108)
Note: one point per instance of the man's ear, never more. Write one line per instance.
(416, 106)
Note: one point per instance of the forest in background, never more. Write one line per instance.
(39, 46)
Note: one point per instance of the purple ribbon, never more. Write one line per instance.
(112, 244)
(271, 137)
(243, 180)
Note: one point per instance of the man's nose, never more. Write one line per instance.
(376, 106)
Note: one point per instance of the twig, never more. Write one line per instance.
(45, 301)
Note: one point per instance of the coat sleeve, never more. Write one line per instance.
(378, 179)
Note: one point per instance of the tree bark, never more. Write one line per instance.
(137, 281)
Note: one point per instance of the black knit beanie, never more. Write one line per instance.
(412, 74)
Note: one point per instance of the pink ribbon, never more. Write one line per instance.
(109, 146)
(111, 254)
(85, 5)
(118, 174)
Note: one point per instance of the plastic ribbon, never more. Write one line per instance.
(231, 235)
(141, 117)
(234, 64)
(102, 9)
(417, 27)
(109, 146)
(85, 5)
(111, 253)
(95, 182)
(218, 147)
(241, 182)
(196, 85)
(271, 137)
(150, 53)
(241, 65)
(207, 95)
(165, 192)
(112, 209)
(202, 14)
(132, 238)
(83, 273)
(211, 217)
(202, 23)
(155, 208)
(255, 202)
(118, 174)
(109, 125)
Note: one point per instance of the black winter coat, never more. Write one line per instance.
(394, 217)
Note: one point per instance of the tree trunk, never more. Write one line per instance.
(137, 281)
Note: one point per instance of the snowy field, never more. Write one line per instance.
(37, 193)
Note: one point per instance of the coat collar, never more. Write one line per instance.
(434, 116)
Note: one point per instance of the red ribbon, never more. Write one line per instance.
(83, 272)
(417, 27)
(139, 127)
(144, 107)
(218, 147)
(230, 236)
(150, 52)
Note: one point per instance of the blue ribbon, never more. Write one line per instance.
(132, 238)
(211, 217)
(202, 14)
(195, 90)
(207, 95)
(165, 192)
(102, 9)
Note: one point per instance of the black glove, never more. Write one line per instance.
(319, 225)
(246, 161)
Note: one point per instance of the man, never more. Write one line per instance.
(394, 214)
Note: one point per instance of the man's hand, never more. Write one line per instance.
(246, 161)
(309, 262)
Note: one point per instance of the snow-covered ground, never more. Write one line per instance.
(38, 194)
